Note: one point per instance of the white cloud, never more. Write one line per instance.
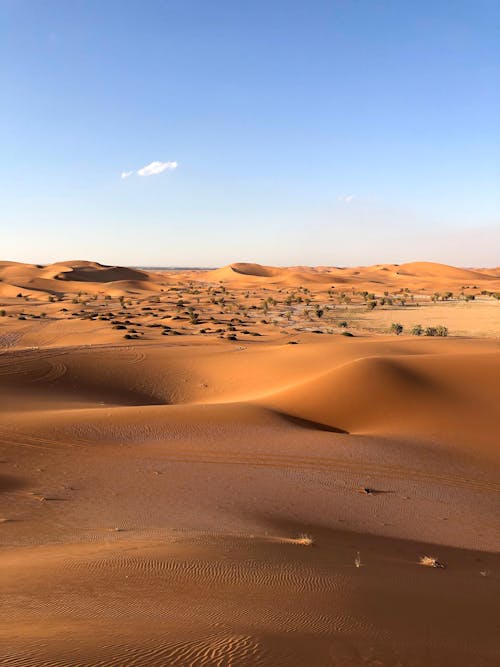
(151, 169)
(347, 199)
(156, 168)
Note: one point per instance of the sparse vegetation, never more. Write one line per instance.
(396, 328)
(440, 330)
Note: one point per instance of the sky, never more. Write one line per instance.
(199, 133)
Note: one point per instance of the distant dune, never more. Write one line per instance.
(443, 272)
(428, 272)
(74, 276)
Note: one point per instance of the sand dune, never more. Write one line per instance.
(442, 271)
(390, 274)
(204, 492)
(396, 394)
(102, 274)
(72, 277)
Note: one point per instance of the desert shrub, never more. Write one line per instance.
(440, 330)
(396, 328)
(431, 561)
(371, 305)
(417, 330)
(343, 324)
(348, 334)
(3, 313)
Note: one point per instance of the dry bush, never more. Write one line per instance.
(430, 561)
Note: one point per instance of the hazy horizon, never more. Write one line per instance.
(200, 267)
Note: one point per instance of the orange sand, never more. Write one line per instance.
(204, 492)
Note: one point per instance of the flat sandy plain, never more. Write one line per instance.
(202, 468)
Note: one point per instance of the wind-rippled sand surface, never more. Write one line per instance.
(189, 499)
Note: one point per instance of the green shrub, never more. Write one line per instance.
(440, 330)
(396, 328)
(417, 330)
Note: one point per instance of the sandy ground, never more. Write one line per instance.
(238, 482)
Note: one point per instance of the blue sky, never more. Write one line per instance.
(341, 132)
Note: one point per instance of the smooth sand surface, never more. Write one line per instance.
(237, 482)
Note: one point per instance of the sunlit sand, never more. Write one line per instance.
(249, 465)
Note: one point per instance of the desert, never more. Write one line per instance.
(249, 465)
(249, 333)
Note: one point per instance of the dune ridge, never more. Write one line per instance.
(73, 276)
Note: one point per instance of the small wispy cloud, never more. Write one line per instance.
(347, 199)
(156, 168)
(151, 169)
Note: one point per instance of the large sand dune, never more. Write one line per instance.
(191, 497)
(73, 277)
